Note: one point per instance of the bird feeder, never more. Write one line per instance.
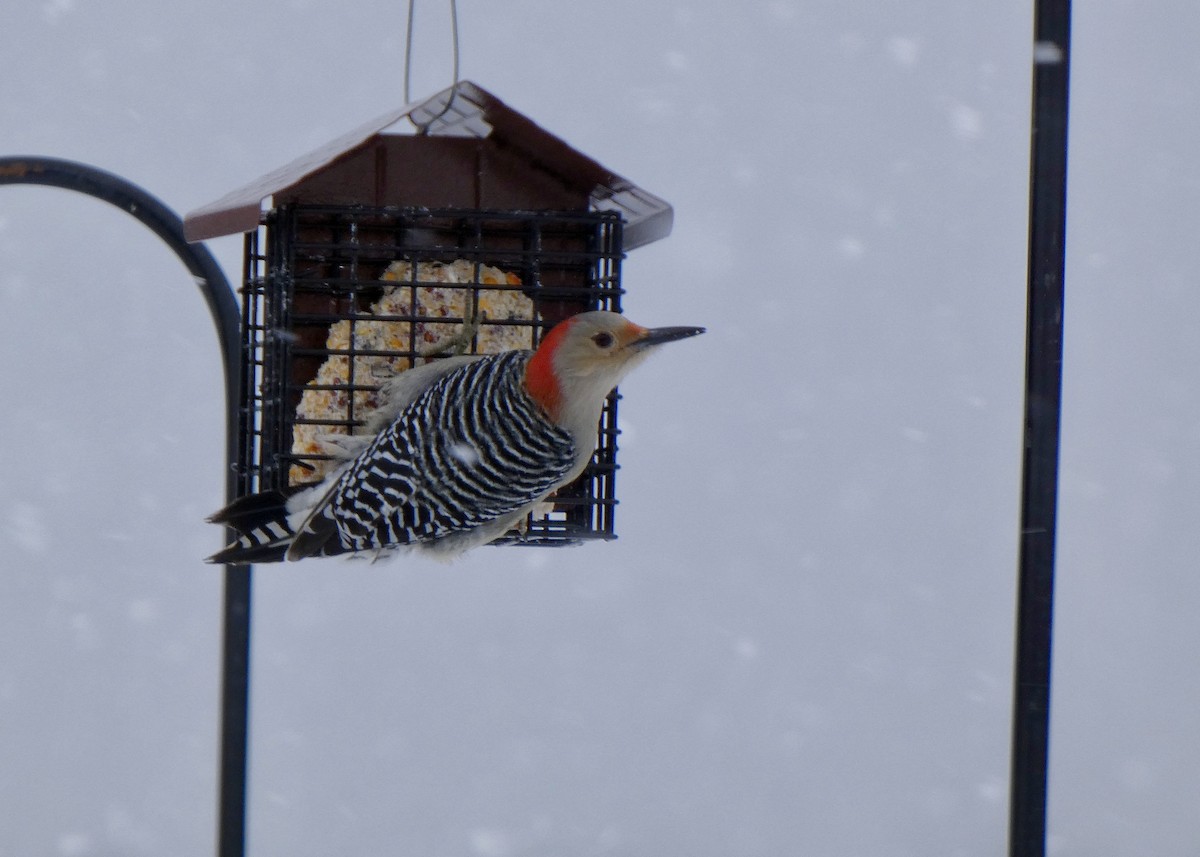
(384, 250)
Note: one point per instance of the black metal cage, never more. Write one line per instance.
(337, 299)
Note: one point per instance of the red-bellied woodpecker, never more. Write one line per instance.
(464, 448)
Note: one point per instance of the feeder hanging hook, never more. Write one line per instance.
(423, 127)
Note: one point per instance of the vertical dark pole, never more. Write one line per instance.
(1043, 406)
(235, 704)
(222, 305)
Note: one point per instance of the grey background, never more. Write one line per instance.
(801, 642)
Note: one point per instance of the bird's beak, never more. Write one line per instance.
(659, 335)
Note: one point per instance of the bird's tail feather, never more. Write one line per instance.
(261, 524)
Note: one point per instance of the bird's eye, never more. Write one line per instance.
(604, 339)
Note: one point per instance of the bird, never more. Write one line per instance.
(459, 453)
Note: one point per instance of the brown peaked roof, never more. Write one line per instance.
(473, 113)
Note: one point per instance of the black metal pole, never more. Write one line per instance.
(222, 304)
(1043, 408)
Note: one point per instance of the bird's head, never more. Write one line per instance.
(582, 359)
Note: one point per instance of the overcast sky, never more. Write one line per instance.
(801, 642)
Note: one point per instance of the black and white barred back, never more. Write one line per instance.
(471, 449)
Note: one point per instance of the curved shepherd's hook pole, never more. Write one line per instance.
(223, 305)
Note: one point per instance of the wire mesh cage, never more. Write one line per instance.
(338, 299)
(381, 251)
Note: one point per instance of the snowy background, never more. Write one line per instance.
(801, 642)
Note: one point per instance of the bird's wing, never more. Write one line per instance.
(401, 489)
(399, 391)
(316, 529)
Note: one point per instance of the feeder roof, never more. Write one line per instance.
(473, 113)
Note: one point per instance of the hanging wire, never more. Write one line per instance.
(423, 127)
